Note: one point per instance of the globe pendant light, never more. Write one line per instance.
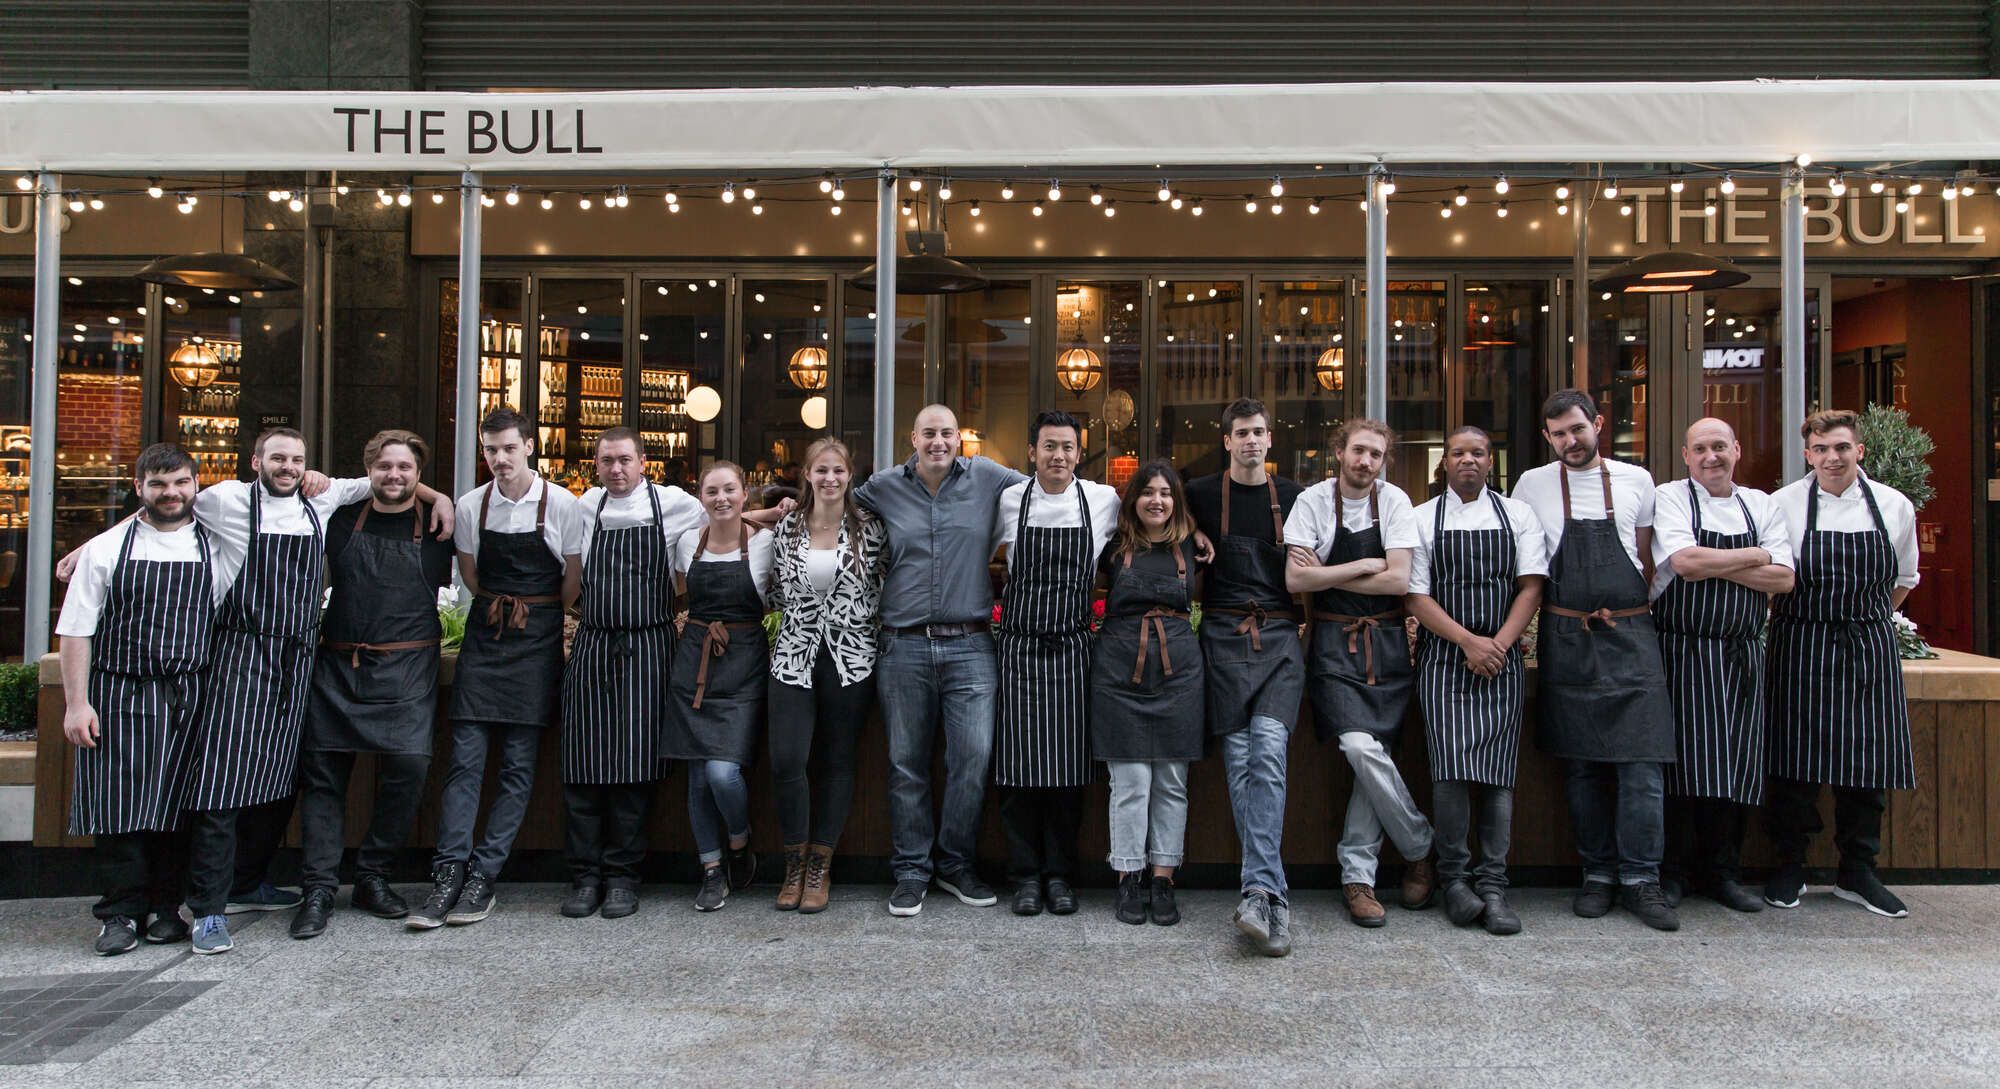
(194, 365)
(1079, 369)
(807, 367)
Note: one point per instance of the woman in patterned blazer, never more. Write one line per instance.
(830, 563)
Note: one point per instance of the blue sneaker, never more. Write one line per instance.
(211, 935)
(266, 897)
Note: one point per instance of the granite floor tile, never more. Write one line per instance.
(918, 1036)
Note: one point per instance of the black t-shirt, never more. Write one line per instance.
(1249, 507)
(439, 553)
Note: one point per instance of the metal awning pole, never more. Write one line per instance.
(42, 417)
(1376, 385)
(885, 320)
(1579, 299)
(465, 439)
(1792, 277)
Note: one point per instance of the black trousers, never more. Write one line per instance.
(1704, 840)
(605, 832)
(813, 736)
(323, 779)
(1458, 818)
(1793, 810)
(1041, 825)
(230, 851)
(143, 873)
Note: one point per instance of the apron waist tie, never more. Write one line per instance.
(1358, 628)
(1254, 619)
(1154, 620)
(1606, 616)
(511, 610)
(354, 649)
(714, 644)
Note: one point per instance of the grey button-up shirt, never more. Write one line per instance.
(938, 544)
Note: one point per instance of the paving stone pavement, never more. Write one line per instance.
(1825, 995)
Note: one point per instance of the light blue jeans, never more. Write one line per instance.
(718, 799)
(1149, 805)
(1253, 758)
(928, 686)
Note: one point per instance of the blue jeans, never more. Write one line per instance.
(718, 798)
(926, 684)
(1254, 760)
(459, 806)
(1620, 818)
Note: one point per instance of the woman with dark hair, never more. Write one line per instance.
(1146, 690)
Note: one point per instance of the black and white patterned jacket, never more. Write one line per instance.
(847, 620)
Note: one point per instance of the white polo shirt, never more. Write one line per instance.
(1673, 525)
(562, 523)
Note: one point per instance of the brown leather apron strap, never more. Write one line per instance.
(1607, 617)
(1604, 470)
(505, 611)
(1359, 628)
(714, 644)
(1254, 618)
(354, 649)
(1154, 620)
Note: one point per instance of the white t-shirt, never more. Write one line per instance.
(1848, 513)
(679, 512)
(90, 583)
(562, 523)
(1631, 494)
(1531, 553)
(1310, 524)
(1673, 525)
(822, 566)
(1057, 511)
(763, 558)
(225, 509)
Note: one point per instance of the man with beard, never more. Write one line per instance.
(1350, 539)
(269, 541)
(374, 682)
(1255, 662)
(1602, 697)
(135, 637)
(1720, 551)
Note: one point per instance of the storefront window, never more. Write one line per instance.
(580, 343)
(1506, 336)
(100, 406)
(17, 318)
(1742, 363)
(502, 358)
(1198, 368)
(1418, 382)
(202, 349)
(786, 373)
(857, 378)
(1099, 345)
(1618, 371)
(683, 341)
(1302, 371)
(987, 358)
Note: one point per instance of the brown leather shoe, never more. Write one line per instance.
(795, 878)
(1362, 906)
(818, 879)
(1420, 879)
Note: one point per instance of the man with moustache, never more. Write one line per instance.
(614, 691)
(374, 681)
(1255, 661)
(1838, 715)
(1720, 550)
(135, 630)
(1053, 526)
(1350, 538)
(1602, 697)
(519, 543)
(936, 669)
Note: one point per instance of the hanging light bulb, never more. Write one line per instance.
(1501, 211)
(341, 189)
(1110, 208)
(548, 202)
(1708, 207)
(486, 200)
(909, 209)
(76, 202)
(757, 209)
(1277, 187)
(24, 183)
(1913, 188)
(1196, 209)
(384, 196)
(826, 183)
(944, 188)
(1388, 185)
(1500, 185)
(1249, 203)
(839, 192)
(1277, 207)
(1728, 185)
(728, 192)
(624, 198)
(1444, 209)
(671, 197)
(1096, 195)
(1611, 190)
(1804, 159)
(403, 198)
(1055, 190)
(1176, 203)
(1627, 208)
(1902, 205)
(1314, 206)
(1562, 209)
(513, 194)
(1949, 192)
(184, 203)
(1876, 186)
(1838, 186)
(583, 202)
(974, 210)
(750, 190)
(916, 185)
(97, 204)
(153, 188)
(1461, 198)
(1037, 209)
(295, 204)
(1165, 194)
(437, 196)
(1676, 183)
(274, 196)
(1966, 188)
(1562, 190)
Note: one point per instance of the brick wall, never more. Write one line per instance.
(99, 414)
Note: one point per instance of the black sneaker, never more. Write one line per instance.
(1734, 896)
(1674, 889)
(1594, 899)
(119, 934)
(620, 901)
(966, 885)
(447, 882)
(908, 899)
(1648, 901)
(584, 898)
(373, 895)
(167, 928)
(742, 866)
(1864, 888)
(1785, 887)
(1160, 906)
(1462, 905)
(475, 901)
(714, 889)
(1132, 898)
(1062, 896)
(1028, 897)
(1500, 919)
(310, 920)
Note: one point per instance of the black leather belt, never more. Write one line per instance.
(942, 631)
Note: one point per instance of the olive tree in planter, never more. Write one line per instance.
(1896, 455)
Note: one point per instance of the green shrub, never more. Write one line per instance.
(1896, 452)
(20, 689)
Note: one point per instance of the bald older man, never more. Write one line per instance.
(1720, 550)
(936, 667)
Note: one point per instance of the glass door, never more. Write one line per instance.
(1302, 371)
(1198, 335)
(1742, 381)
(857, 373)
(580, 349)
(1503, 342)
(786, 370)
(1621, 342)
(203, 334)
(1097, 350)
(504, 341)
(683, 343)
(987, 357)
(1419, 385)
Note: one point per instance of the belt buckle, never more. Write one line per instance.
(929, 633)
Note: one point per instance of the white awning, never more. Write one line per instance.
(1002, 127)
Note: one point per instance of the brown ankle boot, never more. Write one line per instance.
(795, 878)
(818, 879)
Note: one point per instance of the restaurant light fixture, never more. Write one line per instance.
(1388, 185)
(548, 201)
(153, 188)
(1461, 198)
(1249, 203)
(1671, 272)
(750, 189)
(728, 192)
(1838, 186)
(1728, 185)
(1875, 186)
(217, 271)
(1949, 192)
(1913, 188)
(437, 196)
(839, 192)
(1562, 189)
(1330, 370)
(1708, 207)
(184, 203)
(1055, 190)
(1444, 209)
(807, 367)
(826, 183)
(1562, 209)
(1500, 185)
(1628, 207)
(194, 365)
(513, 194)
(916, 185)
(1804, 159)
(1110, 208)
(1195, 210)
(944, 188)
(403, 198)
(1611, 190)
(1006, 190)
(1079, 369)
(486, 200)
(1166, 192)
(76, 201)
(583, 202)
(973, 211)
(1097, 194)
(703, 404)
(1501, 211)
(1902, 205)
(1676, 183)
(24, 183)
(1314, 206)
(1037, 209)
(1277, 187)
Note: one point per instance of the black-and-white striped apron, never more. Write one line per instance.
(1359, 670)
(146, 664)
(1837, 712)
(1710, 646)
(254, 698)
(615, 689)
(718, 680)
(1041, 735)
(1472, 724)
